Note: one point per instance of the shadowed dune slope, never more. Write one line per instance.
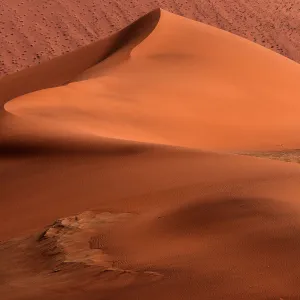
(119, 154)
(35, 31)
(65, 68)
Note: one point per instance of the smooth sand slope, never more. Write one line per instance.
(186, 84)
(34, 31)
(130, 139)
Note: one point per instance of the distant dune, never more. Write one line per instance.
(35, 31)
(120, 172)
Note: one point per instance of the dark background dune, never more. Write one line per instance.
(34, 31)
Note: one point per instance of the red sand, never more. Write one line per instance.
(35, 31)
(126, 135)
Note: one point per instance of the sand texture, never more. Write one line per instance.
(34, 31)
(129, 171)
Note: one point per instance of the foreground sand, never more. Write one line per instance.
(133, 155)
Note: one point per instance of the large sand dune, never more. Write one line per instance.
(136, 129)
(34, 31)
(164, 90)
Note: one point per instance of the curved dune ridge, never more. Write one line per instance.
(36, 31)
(131, 95)
(125, 144)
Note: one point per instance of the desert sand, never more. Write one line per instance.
(121, 172)
(32, 32)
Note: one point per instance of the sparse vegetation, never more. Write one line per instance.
(286, 155)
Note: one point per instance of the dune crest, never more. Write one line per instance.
(228, 82)
(34, 32)
(67, 67)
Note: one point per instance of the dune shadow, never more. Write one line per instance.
(19, 149)
(218, 214)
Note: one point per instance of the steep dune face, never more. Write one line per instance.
(72, 64)
(106, 192)
(243, 97)
(35, 31)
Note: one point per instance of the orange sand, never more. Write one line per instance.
(147, 131)
(34, 31)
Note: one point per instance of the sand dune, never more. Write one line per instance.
(73, 64)
(36, 31)
(118, 143)
(139, 96)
